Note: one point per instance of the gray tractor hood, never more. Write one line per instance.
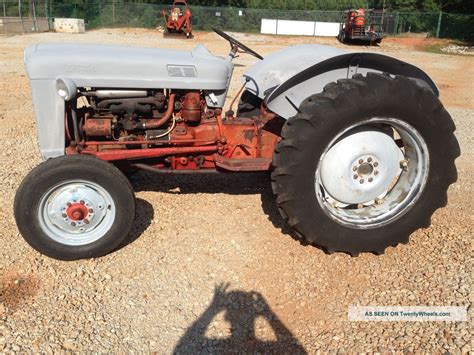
(91, 65)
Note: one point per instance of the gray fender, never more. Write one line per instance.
(287, 97)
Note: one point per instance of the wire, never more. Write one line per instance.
(173, 125)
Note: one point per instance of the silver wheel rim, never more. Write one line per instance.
(372, 173)
(76, 212)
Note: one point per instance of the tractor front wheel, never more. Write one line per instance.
(74, 207)
(341, 37)
(365, 163)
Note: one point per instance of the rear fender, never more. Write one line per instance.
(287, 97)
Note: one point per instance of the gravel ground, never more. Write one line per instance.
(210, 265)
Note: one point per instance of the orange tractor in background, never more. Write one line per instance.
(178, 23)
(359, 25)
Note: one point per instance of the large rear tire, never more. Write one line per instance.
(365, 163)
(74, 207)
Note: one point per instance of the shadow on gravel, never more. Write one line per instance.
(143, 216)
(241, 310)
(226, 183)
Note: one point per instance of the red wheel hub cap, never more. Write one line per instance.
(77, 212)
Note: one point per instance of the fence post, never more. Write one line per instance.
(46, 14)
(35, 26)
(100, 14)
(21, 17)
(397, 19)
(5, 24)
(439, 24)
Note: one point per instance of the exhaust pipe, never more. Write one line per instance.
(116, 94)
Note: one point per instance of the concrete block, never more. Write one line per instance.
(69, 25)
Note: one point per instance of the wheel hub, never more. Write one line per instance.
(76, 213)
(360, 167)
(365, 169)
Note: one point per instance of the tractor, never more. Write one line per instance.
(359, 26)
(360, 149)
(178, 23)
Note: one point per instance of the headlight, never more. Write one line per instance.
(66, 89)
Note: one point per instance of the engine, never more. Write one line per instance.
(135, 115)
(174, 130)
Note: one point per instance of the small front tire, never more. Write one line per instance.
(74, 207)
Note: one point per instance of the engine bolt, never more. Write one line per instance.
(361, 161)
(73, 224)
(355, 176)
(369, 159)
(370, 179)
(376, 164)
(376, 172)
(361, 181)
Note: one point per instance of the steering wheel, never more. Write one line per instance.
(236, 45)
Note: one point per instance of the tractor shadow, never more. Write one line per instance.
(227, 183)
(356, 43)
(241, 310)
(144, 214)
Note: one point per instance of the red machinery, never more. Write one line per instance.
(361, 26)
(178, 23)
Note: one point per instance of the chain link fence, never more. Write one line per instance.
(120, 14)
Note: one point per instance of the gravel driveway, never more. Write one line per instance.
(210, 266)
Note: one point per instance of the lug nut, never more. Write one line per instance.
(355, 176)
(81, 202)
(360, 205)
(64, 215)
(369, 159)
(361, 161)
(354, 168)
(73, 224)
(361, 181)
(404, 164)
(370, 179)
(378, 201)
(91, 210)
(376, 172)
(68, 204)
(86, 221)
(376, 164)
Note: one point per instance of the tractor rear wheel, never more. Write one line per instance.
(365, 163)
(74, 207)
